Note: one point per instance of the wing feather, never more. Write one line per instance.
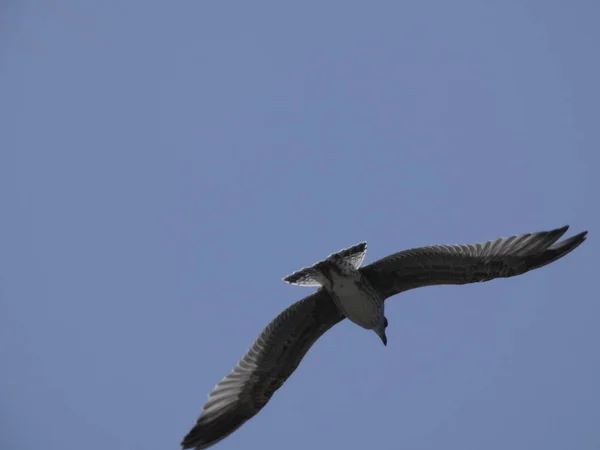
(268, 363)
(469, 263)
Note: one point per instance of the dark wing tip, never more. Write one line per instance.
(553, 235)
(571, 243)
(558, 250)
(208, 432)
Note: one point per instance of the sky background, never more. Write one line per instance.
(164, 164)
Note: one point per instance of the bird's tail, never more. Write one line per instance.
(307, 276)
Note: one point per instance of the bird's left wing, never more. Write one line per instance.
(263, 369)
(468, 263)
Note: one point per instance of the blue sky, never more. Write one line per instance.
(164, 164)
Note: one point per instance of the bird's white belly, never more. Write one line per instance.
(360, 306)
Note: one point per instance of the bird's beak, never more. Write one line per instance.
(382, 336)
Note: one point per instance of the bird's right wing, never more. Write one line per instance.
(263, 369)
(468, 263)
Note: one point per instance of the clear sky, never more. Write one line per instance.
(164, 164)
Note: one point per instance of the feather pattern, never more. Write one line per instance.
(281, 346)
(263, 369)
(468, 263)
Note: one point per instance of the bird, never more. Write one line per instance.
(347, 290)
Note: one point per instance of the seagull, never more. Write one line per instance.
(347, 290)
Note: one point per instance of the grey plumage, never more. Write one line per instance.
(283, 343)
(469, 263)
(272, 358)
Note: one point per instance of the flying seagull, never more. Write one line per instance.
(347, 290)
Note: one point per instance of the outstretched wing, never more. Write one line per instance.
(468, 263)
(263, 369)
